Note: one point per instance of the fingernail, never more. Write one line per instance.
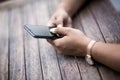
(53, 30)
(59, 25)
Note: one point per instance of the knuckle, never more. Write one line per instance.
(57, 44)
(70, 20)
(58, 29)
(69, 30)
(59, 21)
(53, 18)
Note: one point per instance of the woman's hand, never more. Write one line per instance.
(60, 18)
(73, 43)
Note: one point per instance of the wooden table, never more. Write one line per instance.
(24, 58)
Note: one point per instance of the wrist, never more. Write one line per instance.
(95, 48)
(83, 45)
(63, 6)
(89, 56)
(87, 41)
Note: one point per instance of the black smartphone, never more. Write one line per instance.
(40, 31)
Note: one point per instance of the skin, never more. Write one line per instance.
(75, 42)
(64, 12)
(107, 54)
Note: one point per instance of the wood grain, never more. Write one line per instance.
(81, 22)
(91, 30)
(17, 67)
(23, 57)
(32, 58)
(68, 65)
(11, 4)
(48, 56)
(4, 45)
(109, 27)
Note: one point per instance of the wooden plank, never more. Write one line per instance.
(10, 4)
(49, 61)
(90, 26)
(68, 65)
(116, 5)
(107, 22)
(17, 67)
(48, 56)
(4, 45)
(32, 57)
(110, 29)
(52, 6)
(81, 21)
(91, 30)
(114, 12)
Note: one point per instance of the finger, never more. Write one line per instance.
(59, 43)
(61, 30)
(51, 23)
(68, 22)
(53, 30)
(50, 41)
(59, 25)
(60, 21)
(58, 30)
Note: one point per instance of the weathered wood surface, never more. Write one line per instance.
(32, 58)
(4, 45)
(24, 58)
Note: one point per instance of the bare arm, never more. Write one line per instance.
(108, 54)
(66, 9)
(75, 43)
(71, 6)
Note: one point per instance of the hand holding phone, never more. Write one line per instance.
(40, 31)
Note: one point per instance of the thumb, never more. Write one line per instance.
(59, 30)
(60, 21)
(51, 24)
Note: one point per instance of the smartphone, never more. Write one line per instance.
(40, 31)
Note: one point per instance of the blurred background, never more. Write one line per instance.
(24, 58)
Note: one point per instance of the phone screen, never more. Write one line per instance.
(40, 31)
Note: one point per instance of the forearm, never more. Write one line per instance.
(71, 6)
(107, 54)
